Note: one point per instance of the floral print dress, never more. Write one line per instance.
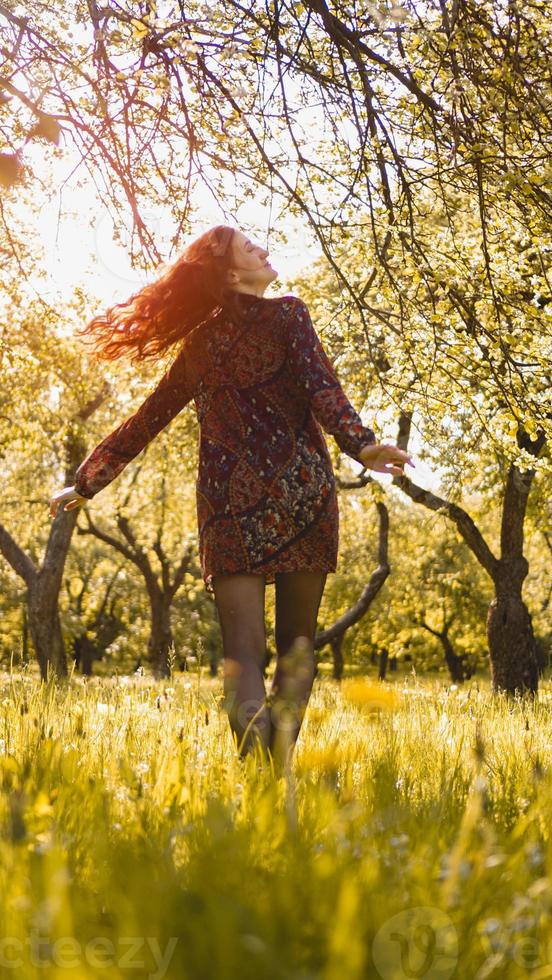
(263, 392)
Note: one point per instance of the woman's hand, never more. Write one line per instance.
(385, 458)
(68, 493)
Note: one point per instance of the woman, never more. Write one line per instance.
(266, 501)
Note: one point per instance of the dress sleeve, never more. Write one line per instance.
(110, 456)
(313, 370)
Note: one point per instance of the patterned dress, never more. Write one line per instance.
(263, 392)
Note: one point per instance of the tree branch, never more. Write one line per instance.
(16, 557)
(356, 612)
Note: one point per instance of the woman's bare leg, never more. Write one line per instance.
(240, 602)
(298, 597)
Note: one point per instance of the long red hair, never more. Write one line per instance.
(191, 290)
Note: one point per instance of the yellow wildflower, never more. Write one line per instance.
(370, 696)
(326, 759)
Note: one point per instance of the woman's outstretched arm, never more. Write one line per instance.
(110, 456)
(313, 370)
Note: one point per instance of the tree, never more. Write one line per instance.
(161, 588)
(433, 577)
(512, 648)
(96, 629)
(335, 634)
(43, 581)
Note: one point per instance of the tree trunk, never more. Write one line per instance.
(85, 654)
(336, 644)
(383, 658)
(25, 637)
(160, 638)
(45, 627)
(454, 663)
(43, 585)
(88, 655)
(512, 646)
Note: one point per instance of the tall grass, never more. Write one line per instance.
(409, 838)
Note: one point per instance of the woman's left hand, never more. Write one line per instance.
(69, 494)
(385, 458)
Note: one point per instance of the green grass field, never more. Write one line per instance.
(409, 838)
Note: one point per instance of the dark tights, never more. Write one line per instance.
(273, 722)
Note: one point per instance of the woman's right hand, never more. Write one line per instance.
(385, 458)
(69, 494)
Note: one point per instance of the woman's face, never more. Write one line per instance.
(251, 272)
